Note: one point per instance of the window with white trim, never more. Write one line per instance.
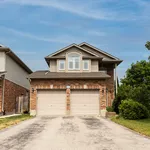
(73, 61)
(61, 64)
(85, 64)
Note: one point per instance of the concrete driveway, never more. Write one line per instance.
(74, 133)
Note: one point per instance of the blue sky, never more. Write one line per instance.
(35, 28)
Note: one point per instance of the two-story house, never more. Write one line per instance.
(13, 80)
(80, 81)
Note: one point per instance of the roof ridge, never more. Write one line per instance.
(73, 44)
(98, 49)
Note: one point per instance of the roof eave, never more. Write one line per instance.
(9, 52)
(99, 50)
(68, 78)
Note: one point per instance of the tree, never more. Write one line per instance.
(147, 45)
(136, 85)
(138, 74)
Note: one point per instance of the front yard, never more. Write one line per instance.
(141, 126)
(6, 122)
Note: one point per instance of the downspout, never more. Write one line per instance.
(116, 78)
(3, 92)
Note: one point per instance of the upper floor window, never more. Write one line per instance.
(74, 61)
(85, 64)
(61, 64)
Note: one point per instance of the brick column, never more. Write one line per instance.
(33, 101)
(68, 101)
(103, 101)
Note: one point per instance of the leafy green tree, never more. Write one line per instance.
(136, 85)
(138, 74)
(147, 45)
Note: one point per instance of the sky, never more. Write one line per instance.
(34, 29)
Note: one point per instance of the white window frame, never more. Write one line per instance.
(73, 58)
(61, 61)
(88, 64)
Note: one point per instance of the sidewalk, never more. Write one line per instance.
(5, 116)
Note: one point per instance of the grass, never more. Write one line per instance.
(141, 126)
(6, 122)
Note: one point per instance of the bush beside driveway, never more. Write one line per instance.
(6, 122)
(141, 126)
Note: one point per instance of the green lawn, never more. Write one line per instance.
(140, 126)
(6, 122)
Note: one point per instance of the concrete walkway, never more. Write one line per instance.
(6, 116)
(74, 133)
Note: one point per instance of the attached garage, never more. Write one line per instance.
(84, 102)
(51, 102)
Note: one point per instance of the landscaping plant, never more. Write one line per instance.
(130, 109)
(109, 109)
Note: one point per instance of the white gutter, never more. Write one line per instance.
(116, 78)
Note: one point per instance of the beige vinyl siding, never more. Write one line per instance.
(65, 53)
(73, 49)
(2, 61)
(53, 66)
(16, 73)
(94, 66)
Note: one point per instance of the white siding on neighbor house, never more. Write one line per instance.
(94, 66)
(2, 61)
(16, 73)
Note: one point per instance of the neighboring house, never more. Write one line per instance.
(80, 81)
(13, 80)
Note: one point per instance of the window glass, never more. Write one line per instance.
(61, 64)
(85, 64)
(74, 62)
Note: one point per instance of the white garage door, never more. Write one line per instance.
(51, 102)
(84, 102)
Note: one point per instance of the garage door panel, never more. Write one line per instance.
(51, 102)
(84, 102)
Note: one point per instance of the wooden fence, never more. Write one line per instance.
(22, 104)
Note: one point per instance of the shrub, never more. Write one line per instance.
(124, 92)
(109, 109)
(133, 110)
(115, 104)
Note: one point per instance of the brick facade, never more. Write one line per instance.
(12, 90)
(102, 85)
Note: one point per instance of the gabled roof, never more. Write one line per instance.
(9, 52)
(67, 47)
(98, 50)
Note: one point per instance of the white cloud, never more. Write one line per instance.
(80, 8)
(60, 39)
